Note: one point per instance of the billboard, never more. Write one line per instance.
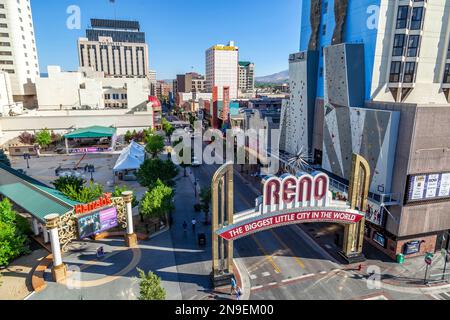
(428, 187)
(97, 222)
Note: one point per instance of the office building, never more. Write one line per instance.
(372, 78)
(190, 82)
(222, 69)
(18, 55)
(116, 48)
(246, 77)
(153, 82)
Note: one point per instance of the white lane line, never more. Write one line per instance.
(323, 272)
(266, 274)
(298, 278)
(257, 287)
(436, 297)
(273, 284)
(328, 247)
(253, 277)
(446, 294)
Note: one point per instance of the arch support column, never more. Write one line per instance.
(358, 197)
(130, 236)
(59, 270)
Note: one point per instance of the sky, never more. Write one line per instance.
(178, 32)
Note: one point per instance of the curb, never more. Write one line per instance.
(37, 279)
(243, 276)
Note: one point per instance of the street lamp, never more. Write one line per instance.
(27, 157)
(446, 253)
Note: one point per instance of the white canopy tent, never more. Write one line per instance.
(131, 158)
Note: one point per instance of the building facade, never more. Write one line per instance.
(18, 54)
(116, 48)
(246, 77)
(222, 69)
(87, 89)
(190, 82)
(372, 78)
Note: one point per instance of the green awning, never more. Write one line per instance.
(33, 196)
(92, 133)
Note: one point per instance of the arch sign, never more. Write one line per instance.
(292, 200)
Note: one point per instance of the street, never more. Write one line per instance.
(286, 264)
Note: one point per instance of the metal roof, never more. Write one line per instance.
(33, 196)
(92, 132)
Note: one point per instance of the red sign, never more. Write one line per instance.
(311, 216)
(104, 201)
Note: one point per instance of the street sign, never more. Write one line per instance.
(429, 258)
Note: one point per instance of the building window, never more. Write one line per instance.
(324, 29)
(413, 46)
(399, 45)
(410, 70)
(447, 73)
(448, 51)
(402, 17)
(396, 70)
(416, 18)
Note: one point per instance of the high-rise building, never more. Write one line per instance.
(18, 54)
(222, 69)
(373, 78)
(115, 47)
(153, 82)
(246, 77)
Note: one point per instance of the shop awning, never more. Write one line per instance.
(94, 132)
(33, 196)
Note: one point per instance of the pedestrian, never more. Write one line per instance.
(233, 286)
(238, 293)
(194, 223)
(360, 268)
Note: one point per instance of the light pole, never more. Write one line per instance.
(27, 157)
(446, 255)
(91, 170)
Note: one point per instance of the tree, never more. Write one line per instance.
(117, 193)
(153, 169)
(128, 136)
(44, 138)
(157, 202)
(155, 145)
(13, 242)
(205, 200)
(150, 287)
(85, 195)
(168, 128)
(27, 138)
(62, 183)
(4, 158)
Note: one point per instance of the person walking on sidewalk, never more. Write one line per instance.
(233, 286)
(194, 224)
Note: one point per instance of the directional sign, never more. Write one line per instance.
(429, 258)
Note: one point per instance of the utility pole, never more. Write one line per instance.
(446, 256)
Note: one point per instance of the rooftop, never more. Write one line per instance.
(92, 133)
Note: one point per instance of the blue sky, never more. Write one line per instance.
(178, 31)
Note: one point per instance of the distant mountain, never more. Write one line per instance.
(279, 77)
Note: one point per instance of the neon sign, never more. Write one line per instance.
(104, 201)
(289, 192)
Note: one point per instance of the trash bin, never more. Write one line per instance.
(400, 258)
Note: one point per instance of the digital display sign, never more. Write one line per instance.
(429, 187)
(97, 222)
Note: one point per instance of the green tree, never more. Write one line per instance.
(85, 195)
(4, 158)
(205, 200)
(153, 169)
(13, 243)
(155, 145)
(44, 138)
(128, 136)
(168, 129)
(62, 183)
(117, 193)
(150, 287)
(157, 202)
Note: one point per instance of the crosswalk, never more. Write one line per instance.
(441, 296)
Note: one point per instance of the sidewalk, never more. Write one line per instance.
(410, 274)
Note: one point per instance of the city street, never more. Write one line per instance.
(287, 264)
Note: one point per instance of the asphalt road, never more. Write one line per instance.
(285, 264)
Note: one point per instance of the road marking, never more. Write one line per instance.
(257, 287)
(268, 257)
(445, 295)
(328, 247)
(266, 274)
(253, 277)
(435, 297)
(322, 272)
(297, 259)
(273, 284)
(299, 278)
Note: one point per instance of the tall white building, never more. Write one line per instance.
(116, 48)
(222, 69)
(18, 54)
